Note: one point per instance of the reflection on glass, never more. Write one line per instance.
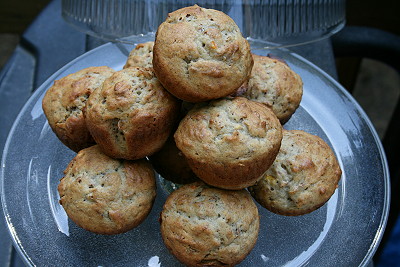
(276, 22)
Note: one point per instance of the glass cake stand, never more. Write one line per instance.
(344, 232)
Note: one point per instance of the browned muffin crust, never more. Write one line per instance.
(64, 103)
(200, 54)
(131, 115)
(206, 226)
(229, 142)
(170, 163)
(104, 195)
(141, 56)
(274, 83)
(303, 177)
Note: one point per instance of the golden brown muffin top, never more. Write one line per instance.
(218, 227)
(141, 56)
(200, 54)
(64, 102)
(228, 130)
(69, 94)
(132, 89)
(105, 195)
(302, 178)
(131, 101)
(275, 84)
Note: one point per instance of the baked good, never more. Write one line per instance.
(229, 142)
(207, 226)
(170, 163)
(131, 115)
(275, 84)
(200, 54)
(64, 102)
(303, 177)
(141, 56)
(105, 195)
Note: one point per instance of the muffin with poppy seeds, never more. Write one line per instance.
(303, 177)
(141, 56)
(200, 54)
(229, 143)
(273, 83)
(65, 102)
(105, 195)
(207, 226)
(131, 115)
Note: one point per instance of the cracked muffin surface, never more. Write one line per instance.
(105, 195)
(275, 84)
(207, 226)
(200, 54)
(303, 177)
(229, 142)
(65, 101)
(131, 115)
(141, 56)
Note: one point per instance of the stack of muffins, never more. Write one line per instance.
(200, 109)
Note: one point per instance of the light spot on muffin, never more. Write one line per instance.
(302, 163)
(322, 190)
(121, 88)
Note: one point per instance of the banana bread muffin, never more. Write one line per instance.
(64, 102)
(170, 163)
(207, 226)
(275, 84)
(105, 195)
(131, 115)
(303, 177)
(141, 56)
(200, 54)
(229, 143)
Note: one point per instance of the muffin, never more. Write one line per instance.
(206, 226)
(105, 195)
(131, 115)
(275, 84)
(141, 56)
(64, 102)
(200, 54)
(303, 177)
(170, 163)
(229, 142)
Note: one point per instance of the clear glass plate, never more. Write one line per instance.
(344, 232)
